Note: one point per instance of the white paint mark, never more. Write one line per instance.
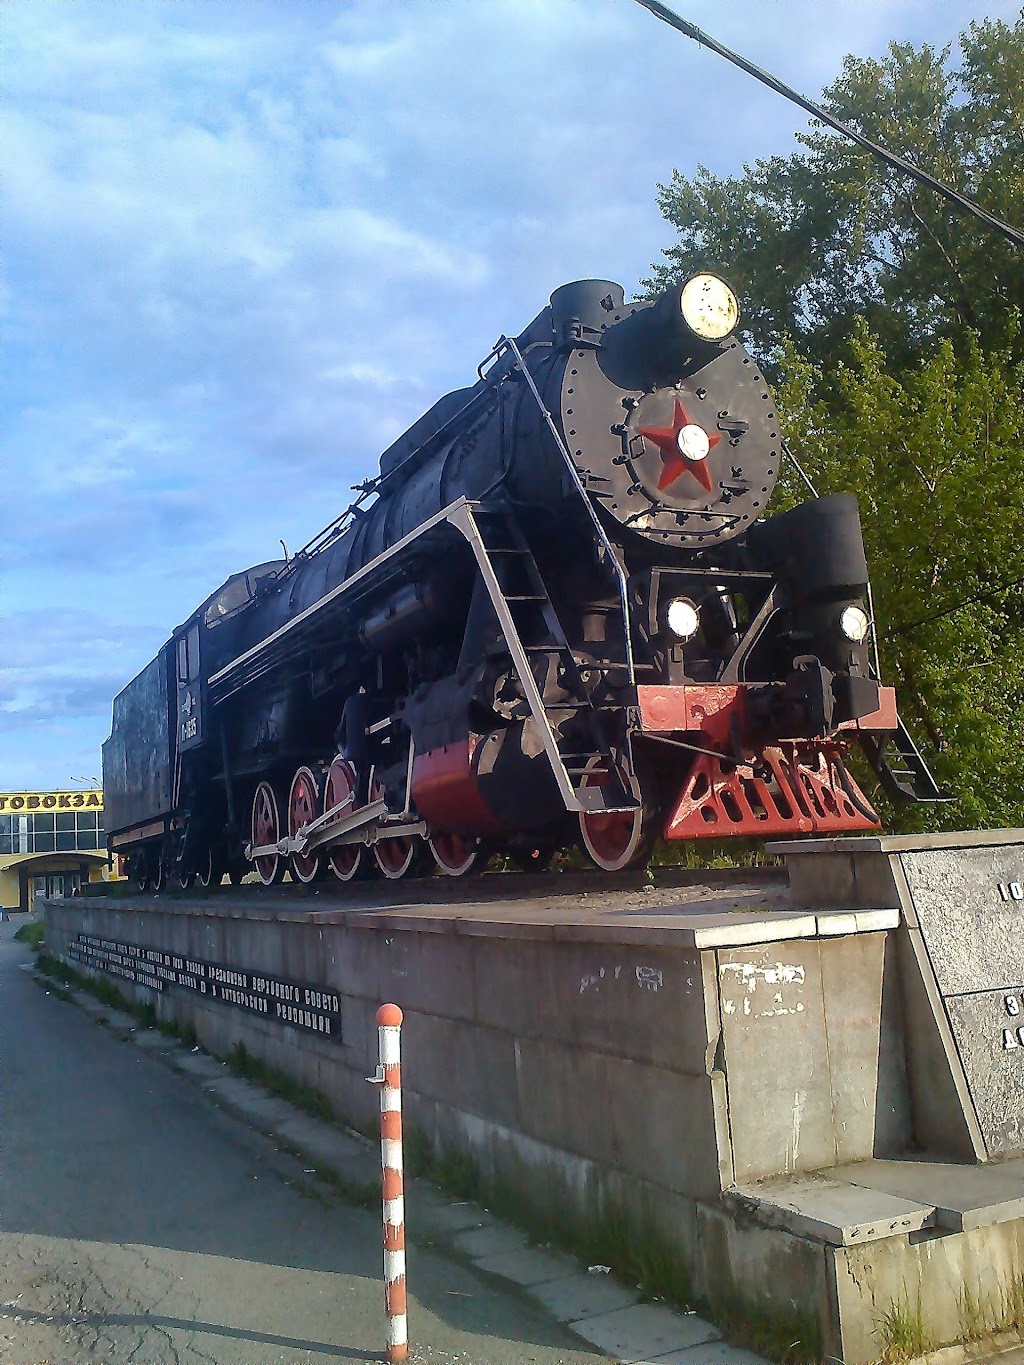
(780, 974)
(649, 978)
(728, 1006)
(799, 1101)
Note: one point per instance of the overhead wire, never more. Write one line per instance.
(893, 159)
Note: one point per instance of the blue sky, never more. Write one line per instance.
(246, 242)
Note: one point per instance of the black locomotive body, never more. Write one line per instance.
(558, 612)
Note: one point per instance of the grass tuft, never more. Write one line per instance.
(991, 1311)
(31, 933)
(306, 1097)
(901, 1331)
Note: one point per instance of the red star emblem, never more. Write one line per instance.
(673, 458)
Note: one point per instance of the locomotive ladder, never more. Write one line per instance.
(533, 632)
(898, 763)
(900, 766)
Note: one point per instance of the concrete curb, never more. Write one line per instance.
(589, 1302)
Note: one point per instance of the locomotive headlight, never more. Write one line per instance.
(709, 307)
(854, 624)
(683, 618)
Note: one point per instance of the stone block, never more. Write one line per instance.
(956, 1285)
(360, 1044)
(841, 879)
(943, 1116)
(432, 974)
(776, 1059)
(866, 1046)
(770, 1269)
(988, 1029)
(829, 1210)
(565, 1099)
(975, 938)
(428, 1055)
(356, 964)
(964, 1197)
(516, 985)
(664, 1128)
(647, 1004)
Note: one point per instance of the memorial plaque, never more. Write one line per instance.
(296, 1004)
(969, 904)
(989, 1033)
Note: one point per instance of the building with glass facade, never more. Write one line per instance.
(50, 844)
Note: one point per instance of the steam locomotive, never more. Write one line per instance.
(557, 614)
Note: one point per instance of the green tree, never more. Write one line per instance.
(890, 323)
(936, 457)
(816, 238)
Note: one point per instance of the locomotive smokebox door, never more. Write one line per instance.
(190, 711)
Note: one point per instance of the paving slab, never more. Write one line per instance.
(583, 1296)
(529, 1266)
(198, 1064)
(488, 1241)
(245, 1098)
(325, 1146)
(708, 1353)
(644, 1331)
(837, 1212)
(964, 1197)
(150, 1040)
(428, 1211)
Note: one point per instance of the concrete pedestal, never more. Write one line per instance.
(782, 1085)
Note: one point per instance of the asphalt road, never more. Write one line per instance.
(140, 1225)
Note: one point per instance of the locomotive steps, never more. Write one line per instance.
(810, 1093)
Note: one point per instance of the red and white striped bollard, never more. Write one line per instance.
(389, 1078)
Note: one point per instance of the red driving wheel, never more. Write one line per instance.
(339, 787)
(616, 839)
(454, 854)
(266, 829)
(393, 856)
(303, 808)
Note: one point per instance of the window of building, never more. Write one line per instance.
(50, 832)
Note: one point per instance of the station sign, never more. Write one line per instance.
(21, 803)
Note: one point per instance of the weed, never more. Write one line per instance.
(793, 1338)
(31, 933)
(55, 969)
(306, 1097)
(108, 994)
(1011, 1296)
(901, 1331)
(992, 1311)
(978, 1314)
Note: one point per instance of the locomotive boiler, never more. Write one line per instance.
(557, 614)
